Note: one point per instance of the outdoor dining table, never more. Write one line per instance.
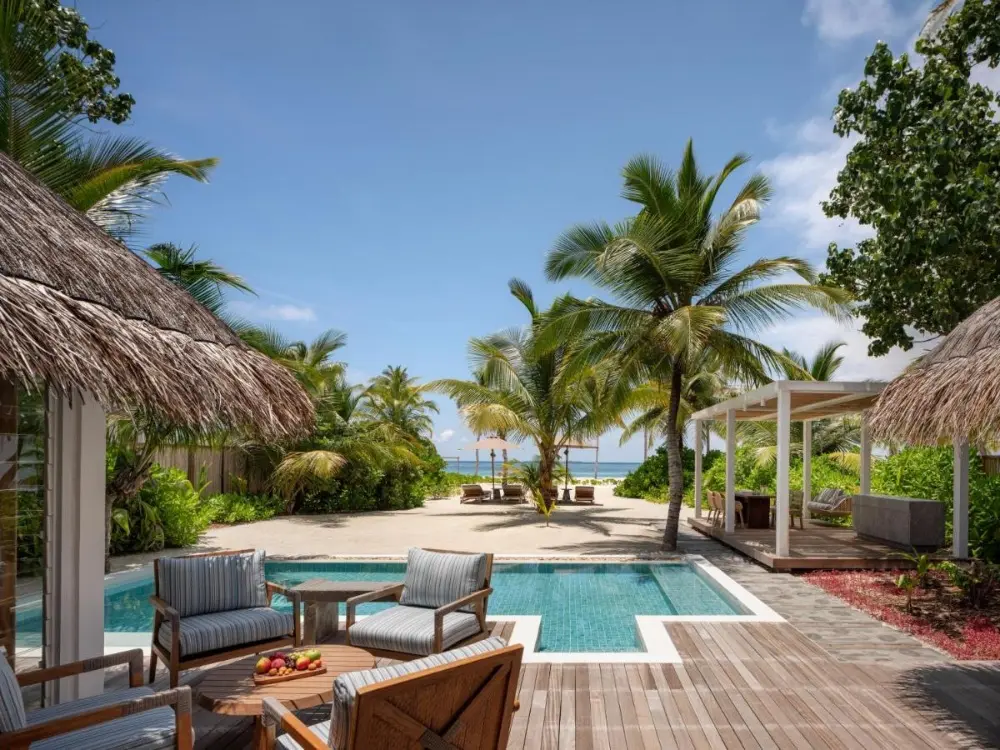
(756, 509)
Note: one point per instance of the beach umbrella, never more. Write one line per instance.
(494, 444)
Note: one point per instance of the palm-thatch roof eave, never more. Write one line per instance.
(952, 392)
(82, 313)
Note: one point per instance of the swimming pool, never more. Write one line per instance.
(573, 607)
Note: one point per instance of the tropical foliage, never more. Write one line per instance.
(531, 394)
(679, 293)
(53, 80)
(649, 480)
(924, 174)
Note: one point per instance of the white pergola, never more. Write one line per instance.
(784, 401)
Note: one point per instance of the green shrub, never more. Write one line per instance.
(167, 512)
(650, 479)
(232, 507)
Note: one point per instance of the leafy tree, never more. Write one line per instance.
(82, 69)
(53, 79)
(395, 399)
(925, 176)
(529, 393)
(677, 294)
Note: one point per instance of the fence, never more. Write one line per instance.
(220, 466)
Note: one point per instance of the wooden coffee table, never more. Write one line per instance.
(322, 599)
(230, 690)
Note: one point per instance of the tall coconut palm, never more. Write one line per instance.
(527, 393)
(395, 398)
(111, 178)
(312, 362)
(672, 270)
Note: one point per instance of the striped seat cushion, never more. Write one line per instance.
(434, 579)
(216, 583)
(827, 499)
(219, 630)
(11, 700)
(345, 690)
(411, 630)
(61, 710)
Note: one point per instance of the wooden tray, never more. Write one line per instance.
(266, 679)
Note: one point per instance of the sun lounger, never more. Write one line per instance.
(583, 494)
(514, 492)
(472, 493)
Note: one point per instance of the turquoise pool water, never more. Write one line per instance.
(584, 607)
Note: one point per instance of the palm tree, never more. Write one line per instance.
(528, 394)
(312, 363)
(670, 269)
(396, 399)
(111, 178)
(838, 438)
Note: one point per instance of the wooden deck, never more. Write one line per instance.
(740, 686)
(815, 547)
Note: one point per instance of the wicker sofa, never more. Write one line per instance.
(215, 606)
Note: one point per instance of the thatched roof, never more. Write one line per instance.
(82, 312)
(952, 391)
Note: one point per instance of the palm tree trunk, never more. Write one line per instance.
(546, 461)
(476, 472)
(674, 465)
(503, 469)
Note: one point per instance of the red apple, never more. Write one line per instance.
(302, 663)
(263, 665)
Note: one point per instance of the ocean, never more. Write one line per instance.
(577, 469)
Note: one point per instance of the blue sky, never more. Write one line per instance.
(387, 167)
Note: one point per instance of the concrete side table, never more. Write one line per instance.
(322, 598)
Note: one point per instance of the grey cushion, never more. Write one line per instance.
(219, 630)
(11, 700)
(827, 499)
(411, 630)
(217, 583)
(148, 730)
(60, 710)
(434, 579)
(345, 689)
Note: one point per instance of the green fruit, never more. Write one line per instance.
(313, 654)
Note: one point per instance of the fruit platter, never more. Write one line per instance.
(280, 666)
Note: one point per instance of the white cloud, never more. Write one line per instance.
(444, 436)
(843, 20)
(290, 313)
(803, 177)
(806, 334)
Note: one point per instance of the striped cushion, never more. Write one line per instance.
(828, 498)
(434, 579)
(147, 730)
(219, 630)
(60, 710)
(345, 690)
(217, 583)
(411, 630)
(11, 701)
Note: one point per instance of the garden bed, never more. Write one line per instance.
(939, 616)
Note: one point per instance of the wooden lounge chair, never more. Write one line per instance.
(832, 502)
(583, 493)
(459, 700)
(472, 493)
(214, 606)
(514, 492)
(132, 718)
(442, 605)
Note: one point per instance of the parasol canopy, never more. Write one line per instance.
(493, 444)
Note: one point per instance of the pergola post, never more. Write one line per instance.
(807, 460)
(697, 467)
(731, 470)
(784, 455)
(866, 456)
(960, 507)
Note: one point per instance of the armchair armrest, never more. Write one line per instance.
(476, 597)
(295, 597)
(165, 609)
(179, 698)
(133, 658)
(276, 715)
(395, 590)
